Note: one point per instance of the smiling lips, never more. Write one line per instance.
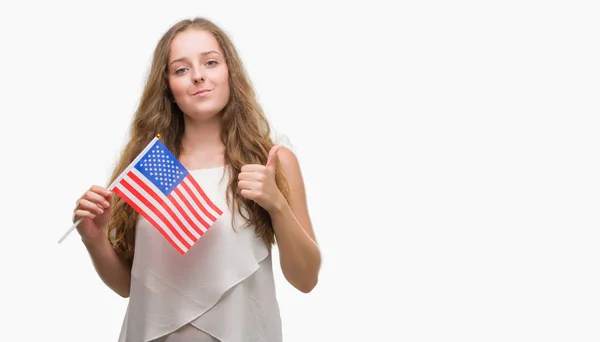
(201, 92)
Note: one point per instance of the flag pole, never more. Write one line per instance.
(110, 187)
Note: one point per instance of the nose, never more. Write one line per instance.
(198, 77)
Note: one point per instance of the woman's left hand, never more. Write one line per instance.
(257, 182)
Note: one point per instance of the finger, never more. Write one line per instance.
(272, 158)
(95, 197)
(100, 190)
(252, 168)
(82, 214)
(249, 194)
(252, 176)
(247, 185)
(90, 206)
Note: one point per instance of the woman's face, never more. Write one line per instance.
(198, 74)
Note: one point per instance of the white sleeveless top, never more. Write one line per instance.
(222, 289)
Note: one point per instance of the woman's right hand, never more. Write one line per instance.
(94, 207)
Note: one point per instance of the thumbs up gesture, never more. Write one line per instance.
(257, 182)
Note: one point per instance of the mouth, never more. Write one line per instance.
(201, 92)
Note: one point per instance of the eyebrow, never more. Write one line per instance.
(202, 54)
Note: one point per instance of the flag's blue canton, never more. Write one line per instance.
(161, 167)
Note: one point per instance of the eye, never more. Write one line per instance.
(211, 63)
(180, 71)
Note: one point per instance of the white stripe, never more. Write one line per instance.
(192, 217)
(200, 198)
(187, 196)
(169, 204)
(159, 207)
(149, 212)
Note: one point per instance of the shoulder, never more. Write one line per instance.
(290, 166)
(291, 170)
(287, 158)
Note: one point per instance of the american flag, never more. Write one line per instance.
(158, 187)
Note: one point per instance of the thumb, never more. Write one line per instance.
(272, 158)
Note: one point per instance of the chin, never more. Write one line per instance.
(203, 113)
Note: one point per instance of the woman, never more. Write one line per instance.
(199, 99)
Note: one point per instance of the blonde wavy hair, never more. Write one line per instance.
(246, 135)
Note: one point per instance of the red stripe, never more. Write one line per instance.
(155, 211)
(185, 215)
(204, 196)
(189, 191)
(162, 203)
(189, 206)
(147, 217)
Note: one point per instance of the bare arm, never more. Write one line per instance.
(299, 253)
(94, 207)
(114, 271)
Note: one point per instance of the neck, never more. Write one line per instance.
(202, 137)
